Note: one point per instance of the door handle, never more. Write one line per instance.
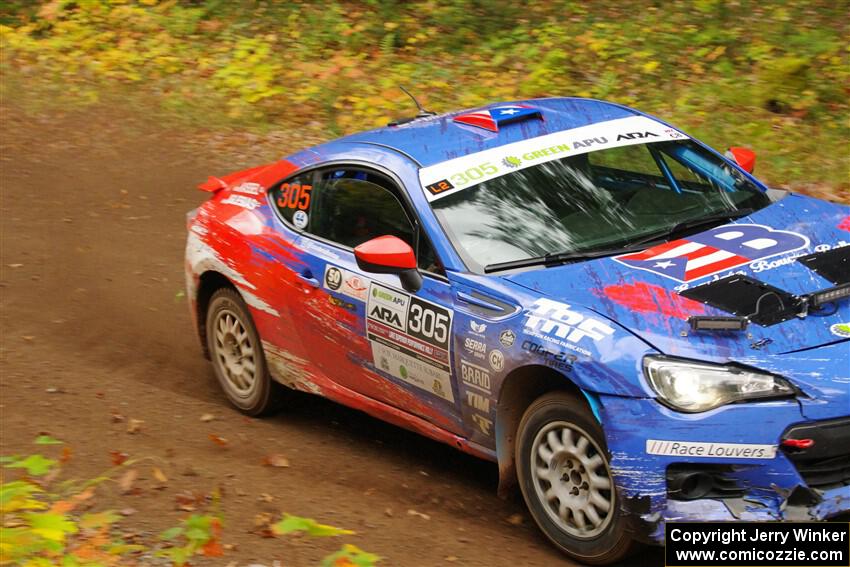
(308, 279)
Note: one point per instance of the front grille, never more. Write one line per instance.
(716, 481)
(826, 464)
(832, 472)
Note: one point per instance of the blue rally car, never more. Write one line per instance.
(630, 324)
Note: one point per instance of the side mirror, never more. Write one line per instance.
(390, 255)
(743, 157)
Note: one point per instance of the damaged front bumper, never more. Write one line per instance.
(802, 504)
(734, 452)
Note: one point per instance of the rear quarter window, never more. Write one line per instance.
(292, 199)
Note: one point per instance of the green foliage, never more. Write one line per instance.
(35, 465)
(347, 556)
(199, 534)
(295, 524)
(350, 556)
(42, 526)
(772, 75)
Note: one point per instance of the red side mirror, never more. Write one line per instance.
(390, 255)
(743, 157)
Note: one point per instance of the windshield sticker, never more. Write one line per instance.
(455, 175)
(299, 219)
(721, 248)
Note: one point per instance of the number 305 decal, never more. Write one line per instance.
(429, 322)
(294, 196)
(474, 173)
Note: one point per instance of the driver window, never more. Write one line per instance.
(352, 206)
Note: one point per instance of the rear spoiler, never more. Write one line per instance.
(265, 175)
(212, 184)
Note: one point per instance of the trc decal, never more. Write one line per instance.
(556, 320)
(721, 248)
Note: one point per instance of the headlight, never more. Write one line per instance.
(694, 387)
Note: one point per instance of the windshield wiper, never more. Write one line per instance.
(668, 233)
(551, 259)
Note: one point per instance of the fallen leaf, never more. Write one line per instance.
(418, 514)
(125, 483)
(276, 460)
(84, 495)
(134, 426)
(220, 441)
(116, 417)
(62, 507)
(159, 476)
(66, 455)
(265, 497)
(515, 519)
(262, 520)
(212, 549)
(118, 457)
(186, 501)
(296, 524)
(207, 417)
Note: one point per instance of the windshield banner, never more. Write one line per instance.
(461, 173)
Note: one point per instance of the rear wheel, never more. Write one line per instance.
(565, 477)
(237, 354)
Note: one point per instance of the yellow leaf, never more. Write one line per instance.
(650, 66)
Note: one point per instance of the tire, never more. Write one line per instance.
(565, 477)
(237, 354)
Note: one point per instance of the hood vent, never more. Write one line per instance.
(761, 303)
(832, 265)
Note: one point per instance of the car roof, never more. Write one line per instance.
(431, 140)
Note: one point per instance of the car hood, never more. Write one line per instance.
(644, 299)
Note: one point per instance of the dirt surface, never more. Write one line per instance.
(95, 329)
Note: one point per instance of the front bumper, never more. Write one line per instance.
(761, 484)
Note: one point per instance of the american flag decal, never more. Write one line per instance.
(498, 116)
(721, 248)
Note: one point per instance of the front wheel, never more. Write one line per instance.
(566, 481)
(237, 354)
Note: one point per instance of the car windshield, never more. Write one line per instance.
(601, 200)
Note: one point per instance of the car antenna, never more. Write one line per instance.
(421, 114)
